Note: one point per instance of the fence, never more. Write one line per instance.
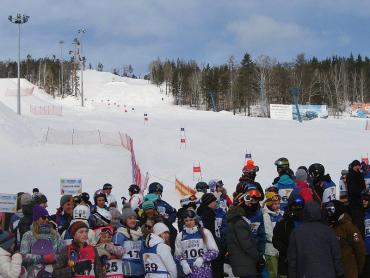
(183, 189)
(24, 91)
(97, 137)
(46, 110)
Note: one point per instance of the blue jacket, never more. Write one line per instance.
(257, 226)
(166, 210)
(220, 225)
(367, 230)
(285, 186)
(132, 263)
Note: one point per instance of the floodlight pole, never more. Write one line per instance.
(61, 67)
(81, 58)
(19, 19)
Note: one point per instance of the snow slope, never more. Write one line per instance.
(217, 140)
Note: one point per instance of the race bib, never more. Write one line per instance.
(134, 247)
(153, 263)
(223, 205)
(254, 227)
(284, 194)
(161, 210)
(193, 248)
(328, 195)
(114, 268)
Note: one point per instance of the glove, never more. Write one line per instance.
(198, 262)
(185, 267)
(48, 259)
(260, 264)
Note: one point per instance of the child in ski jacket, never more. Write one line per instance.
(130, 238)
(157, 257)
(195, 248)
(41, 234)
(271, 215)
(79, 259)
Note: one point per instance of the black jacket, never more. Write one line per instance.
(314, 251)
(208, 217)
(355, 185)
(241, 244)
(280, 240)
(26, 221)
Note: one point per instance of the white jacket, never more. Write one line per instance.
(135, 201)
(164, 252)
(10, 266)
(269, 229)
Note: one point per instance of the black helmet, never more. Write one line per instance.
(201, 187)
(334, 209)
(107, 186)
(155, 187)
(85, 197)
(77, 200)
(134, 189)
(282, 162)
(316, 170)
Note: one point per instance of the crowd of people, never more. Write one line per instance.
(294, 228)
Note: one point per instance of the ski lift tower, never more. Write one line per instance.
(294, 91)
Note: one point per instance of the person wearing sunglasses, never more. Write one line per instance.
(351, 242)
(195, 247)
(40, 233)
(366, 204)
(271, 215)
(130, 238)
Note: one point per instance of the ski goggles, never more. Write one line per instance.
(275, 198)
(252, 195)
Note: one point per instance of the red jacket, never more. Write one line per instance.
(304, 190)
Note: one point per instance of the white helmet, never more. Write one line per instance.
(81, 212)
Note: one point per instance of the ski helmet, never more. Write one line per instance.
(250, 167)
(334, 209)
(219, 183)
(81, 212)
(316, 170)
(107, 186)
(212, 184)
(202, 187)
(134, 189)
(155, 187)
(282, 163)
(100, 193)
(85, 197)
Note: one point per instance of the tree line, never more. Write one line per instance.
(250, 83)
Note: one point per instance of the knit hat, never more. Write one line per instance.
(250, 167)
(271, 197)
(26, 199)
(160, 228)
(76, 226)
(148, 205)
(65, 199)
(208, 198)
(39, 211)
(116, 217)
(301, 175)
(39, 198)
(127, 212)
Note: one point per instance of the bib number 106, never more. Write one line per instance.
(193, 253)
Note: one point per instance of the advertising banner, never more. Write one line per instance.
(70, 186)
(310, 112)
(281, 112)
(8, 202)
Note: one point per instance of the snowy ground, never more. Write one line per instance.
(217, 140)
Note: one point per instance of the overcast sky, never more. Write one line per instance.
(137, 31)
